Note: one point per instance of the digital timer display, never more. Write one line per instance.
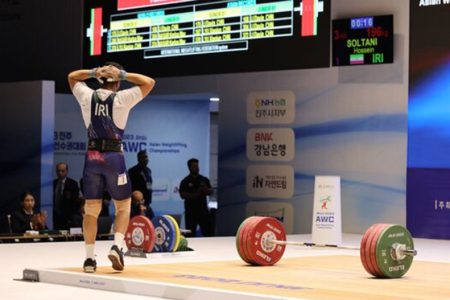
(360, 23)
(363, 40)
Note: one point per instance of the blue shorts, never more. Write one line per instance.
(105, 171)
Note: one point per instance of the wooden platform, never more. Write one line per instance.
(320, 277)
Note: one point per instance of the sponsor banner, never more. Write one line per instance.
(267, 181)
(161, 189)
(66, 143)
(283, 211)
(327, 224)
(271, 107)
(270, 144)
(175, 190)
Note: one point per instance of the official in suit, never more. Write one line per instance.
(141, 179)
(66, 200)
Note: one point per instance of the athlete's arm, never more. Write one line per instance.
(81, 75)
(145, 83)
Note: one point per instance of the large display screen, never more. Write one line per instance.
(363, 41)
(187, 37)
(428, 175)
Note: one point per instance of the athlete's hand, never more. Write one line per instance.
(111, 72)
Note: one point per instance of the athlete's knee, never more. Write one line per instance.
(93, 208)
(123, 206)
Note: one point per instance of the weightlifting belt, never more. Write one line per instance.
(105, 145)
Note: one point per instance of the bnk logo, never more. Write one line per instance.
(325, 202)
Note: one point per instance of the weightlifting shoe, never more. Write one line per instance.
(116, 257)
(89, 266)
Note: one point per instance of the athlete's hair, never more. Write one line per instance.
(115, 64)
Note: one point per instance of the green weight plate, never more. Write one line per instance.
(183, 245)
(394, 235)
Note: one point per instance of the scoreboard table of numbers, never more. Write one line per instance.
(199, 28)
(159, 29)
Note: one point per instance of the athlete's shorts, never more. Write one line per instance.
(105, 171)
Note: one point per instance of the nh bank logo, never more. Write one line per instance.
(270, 102)
(324, 203)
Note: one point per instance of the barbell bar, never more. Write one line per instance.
(400, 250)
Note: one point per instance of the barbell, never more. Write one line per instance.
(386, 250)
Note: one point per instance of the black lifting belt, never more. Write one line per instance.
(104, 145)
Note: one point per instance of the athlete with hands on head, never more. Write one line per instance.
(105, 114)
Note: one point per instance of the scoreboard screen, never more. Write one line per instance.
(188, 37)
(363, 40)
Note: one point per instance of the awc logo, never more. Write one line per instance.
(325, 203)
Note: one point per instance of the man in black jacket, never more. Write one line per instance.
(194, 190)
(65, 198)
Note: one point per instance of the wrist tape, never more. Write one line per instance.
(93, 73)
(122, 75)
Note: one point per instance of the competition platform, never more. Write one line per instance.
(215, 271)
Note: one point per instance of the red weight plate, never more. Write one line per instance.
(370, 247)
(367, 249)
(362, 248)
(239, 240)
(140, 234)
(263, 252)
(373, 249)
(245, 238)
(372, 244)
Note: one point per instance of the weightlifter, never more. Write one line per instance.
(105, 113)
